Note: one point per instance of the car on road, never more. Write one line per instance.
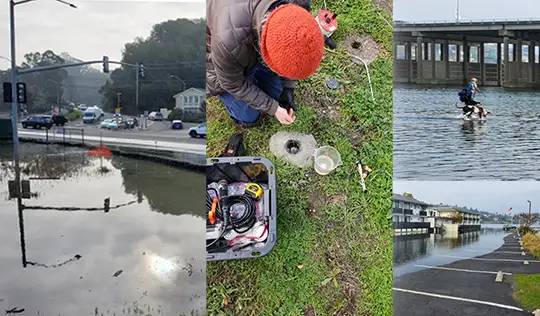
(117, 124)
(177, 124)
(59, 120)
(155, 116)
(105, 123)
(198, 131)
(509, 227)
(38, 121)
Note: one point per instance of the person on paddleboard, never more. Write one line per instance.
(255, 52)
(471, 103)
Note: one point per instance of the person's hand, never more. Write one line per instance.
(285, 117)
(287, 99)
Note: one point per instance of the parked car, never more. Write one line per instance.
(59, 120)
(509, 227)
(155, 116)
(198, 131)
(105, 123)
(177, 124)
(38, 121)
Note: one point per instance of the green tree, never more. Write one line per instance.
(173, 50)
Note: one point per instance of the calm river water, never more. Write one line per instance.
(145, 257)
(431, 141)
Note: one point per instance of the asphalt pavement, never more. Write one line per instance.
(157, 131)
(466, 287)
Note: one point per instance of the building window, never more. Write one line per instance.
(185, 100)
(400, 52)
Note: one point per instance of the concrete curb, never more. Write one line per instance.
(188, 160)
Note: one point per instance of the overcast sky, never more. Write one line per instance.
(433, 10)
(488, 196)
(94, 29)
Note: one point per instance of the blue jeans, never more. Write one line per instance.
(266, 80)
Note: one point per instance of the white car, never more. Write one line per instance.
(155, 116)
(198, 131)
(105, 123)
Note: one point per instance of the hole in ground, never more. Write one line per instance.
(292, 146)
(356, 45)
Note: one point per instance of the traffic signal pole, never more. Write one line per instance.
(14, 105)
(137, 74)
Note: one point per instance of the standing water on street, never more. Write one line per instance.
(99, 236)
(431, 140)
(414, 252)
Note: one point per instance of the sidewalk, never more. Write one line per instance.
(466, 287)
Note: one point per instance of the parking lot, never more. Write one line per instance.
(466, 287)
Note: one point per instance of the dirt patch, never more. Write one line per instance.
(386, 5)
(310, 311)
(324, 105)
(362, 46)
(339, 199)
(317, 202)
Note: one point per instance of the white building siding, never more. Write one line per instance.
(190, 99)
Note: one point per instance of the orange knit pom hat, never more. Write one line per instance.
(292, 43)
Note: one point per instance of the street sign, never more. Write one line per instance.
(25, 189)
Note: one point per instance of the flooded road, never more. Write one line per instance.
(431, 141)
(414, 251)
(142, 255)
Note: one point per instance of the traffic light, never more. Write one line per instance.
(21, 92)
(6, 86)
(141, 70)
(106, 64)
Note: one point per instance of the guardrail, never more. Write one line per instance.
(65, 135)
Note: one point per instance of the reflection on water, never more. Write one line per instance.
(428, 129)
(428, 249)
(90, 236)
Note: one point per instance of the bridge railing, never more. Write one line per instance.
(480, 21)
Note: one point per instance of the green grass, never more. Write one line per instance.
(527, 290)
(338, 259)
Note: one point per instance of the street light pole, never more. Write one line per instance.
(182, 81)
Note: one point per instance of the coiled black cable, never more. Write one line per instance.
(243, 223)
(240, 224)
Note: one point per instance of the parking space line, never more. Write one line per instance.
(459, 299)
(490, 259)
(459, 270)
(510, 252)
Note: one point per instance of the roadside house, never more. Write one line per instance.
(189, 99)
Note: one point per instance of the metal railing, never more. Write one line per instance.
(461, 21)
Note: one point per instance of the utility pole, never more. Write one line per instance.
(457, 11)
(118, 95)
(529, 220)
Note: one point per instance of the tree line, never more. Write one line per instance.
(172, 55)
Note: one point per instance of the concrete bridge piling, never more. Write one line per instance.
(498, 53)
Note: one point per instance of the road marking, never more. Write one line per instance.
(459, 299)
(489, 259)
(496, 251)
(459, 270)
